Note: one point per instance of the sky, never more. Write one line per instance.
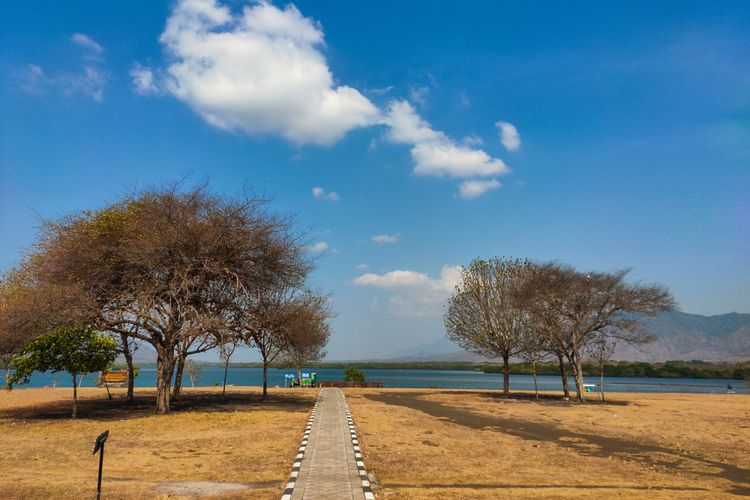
(406, 138)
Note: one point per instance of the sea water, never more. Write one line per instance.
(441, 379)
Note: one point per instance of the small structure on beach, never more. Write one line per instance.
(304, 380)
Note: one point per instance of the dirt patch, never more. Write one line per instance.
(206, 488)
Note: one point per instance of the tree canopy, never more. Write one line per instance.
(76, 350)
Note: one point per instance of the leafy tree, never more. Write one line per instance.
(354, 375)
(78, 350)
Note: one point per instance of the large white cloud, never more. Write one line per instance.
(435, 153)
(414, 293)
(259, 71)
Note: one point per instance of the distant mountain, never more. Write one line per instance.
(679, 336)
(683, 336)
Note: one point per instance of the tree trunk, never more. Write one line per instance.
(131, 369)
(224, 387)
(564, 376)
(299, 375)
(506, 375)
(265, 377)
(179, 369)
(7, 374)
(75, 396)
(164, 370)
(578, 373)
(536, 390)
(601, 380)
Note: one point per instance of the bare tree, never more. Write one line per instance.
(227, 345)
(601, 350)
(533, 350)
(160, 266)
(577, 307)
(482, 314)
(265, 319)
(308, 333)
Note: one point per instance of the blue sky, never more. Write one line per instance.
(602, 136)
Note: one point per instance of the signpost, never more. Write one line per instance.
(99, 446)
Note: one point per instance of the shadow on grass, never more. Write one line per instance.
(530, 397)
(103, 409)
(587, 444)
(486, 486)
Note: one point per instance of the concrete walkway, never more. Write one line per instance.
(328, 470)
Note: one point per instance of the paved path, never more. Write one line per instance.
(328, 470)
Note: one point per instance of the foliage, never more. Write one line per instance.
(354, 375)
(74, 350)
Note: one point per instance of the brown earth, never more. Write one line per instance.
(238, 448)
(453, 444)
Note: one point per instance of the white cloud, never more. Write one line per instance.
(321, 194)
(468, 190)
(509, 136)
(89, 83)
(94, 50)
(419, 95)
(472, 140)
(414, 293)
(434, 153)
(259, 71)
(144, 81)
(361, 267)
(385, 238)
(319, 247)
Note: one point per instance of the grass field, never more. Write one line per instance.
(420, 444)
(45, 454)
(447, 444)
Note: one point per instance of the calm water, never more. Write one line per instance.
(445, 379)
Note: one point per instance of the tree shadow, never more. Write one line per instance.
(585, 444)
(530, 397)
(143, 404)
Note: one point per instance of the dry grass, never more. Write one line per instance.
(470, 444)
(241, 440)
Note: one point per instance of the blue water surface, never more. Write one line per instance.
(442, 379)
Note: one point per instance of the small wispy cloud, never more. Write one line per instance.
(468, 190)
(93, 49)
(321, 194)
(88, 82)
(385, 238)
(319, 247)
(144, 81)
(361, 267)
(509, 136)
(419, 95)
